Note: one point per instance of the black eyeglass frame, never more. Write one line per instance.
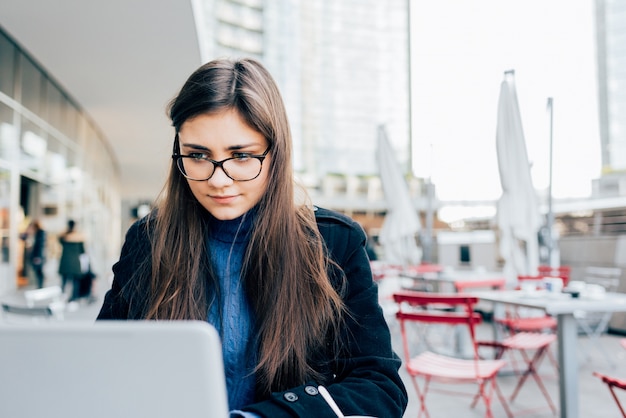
(220, 164)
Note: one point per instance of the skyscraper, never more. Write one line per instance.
(342, 68)
(611, 51)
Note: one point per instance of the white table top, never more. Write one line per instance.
(454, 275)
(556, 303)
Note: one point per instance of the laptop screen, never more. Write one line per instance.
(112, 368)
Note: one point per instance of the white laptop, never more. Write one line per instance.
(110, 369)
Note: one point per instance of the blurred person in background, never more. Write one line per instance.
(287, 285)
(35, 243)
(70, 268)
(371, 248)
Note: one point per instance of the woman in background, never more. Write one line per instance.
(287, 285)
(70, 269)
(35, 236)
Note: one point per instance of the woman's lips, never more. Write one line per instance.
(223, 199)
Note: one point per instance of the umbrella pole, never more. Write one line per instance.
(550, 218)
(427, 237)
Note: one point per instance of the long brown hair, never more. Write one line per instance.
(285, 267)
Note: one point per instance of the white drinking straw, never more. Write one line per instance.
(330, 401)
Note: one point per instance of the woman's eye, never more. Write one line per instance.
(198, 156)
(241, 156)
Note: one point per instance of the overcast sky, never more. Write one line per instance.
(460, 52)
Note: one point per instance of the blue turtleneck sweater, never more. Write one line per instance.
(227, 244)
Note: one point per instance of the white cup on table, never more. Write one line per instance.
(594, 291)
(576, 285)
(528, 287)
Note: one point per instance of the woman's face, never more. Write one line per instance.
(219, 136)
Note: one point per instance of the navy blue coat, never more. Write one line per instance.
(363, 378)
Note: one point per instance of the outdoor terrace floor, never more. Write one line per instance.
(595, 398)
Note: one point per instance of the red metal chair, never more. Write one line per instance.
(525, 343)
(516, 321)
(381, 269)
(425, 268)
(613, 383)
(420, 275)
(564, 272)
(492, 283)
(417, 307)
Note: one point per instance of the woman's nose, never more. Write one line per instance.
(219, 178)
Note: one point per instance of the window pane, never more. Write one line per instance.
(32, 147)
(70, 120)
(7, 132)
(56, 163)
(7, 66)
(31, 85)
(55, 105)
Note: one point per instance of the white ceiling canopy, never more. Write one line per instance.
(122, 61)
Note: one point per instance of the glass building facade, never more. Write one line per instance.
(342, 67)
(611, 47)
(55, 165)
(354, 78)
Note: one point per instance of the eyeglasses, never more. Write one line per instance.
(242, 167)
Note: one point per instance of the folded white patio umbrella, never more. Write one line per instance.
(402, 223)
(518, 215)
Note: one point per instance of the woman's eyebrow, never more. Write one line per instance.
(195, 146)
(230, 148)
(239, 147)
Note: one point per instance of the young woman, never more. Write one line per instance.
(287, 285)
